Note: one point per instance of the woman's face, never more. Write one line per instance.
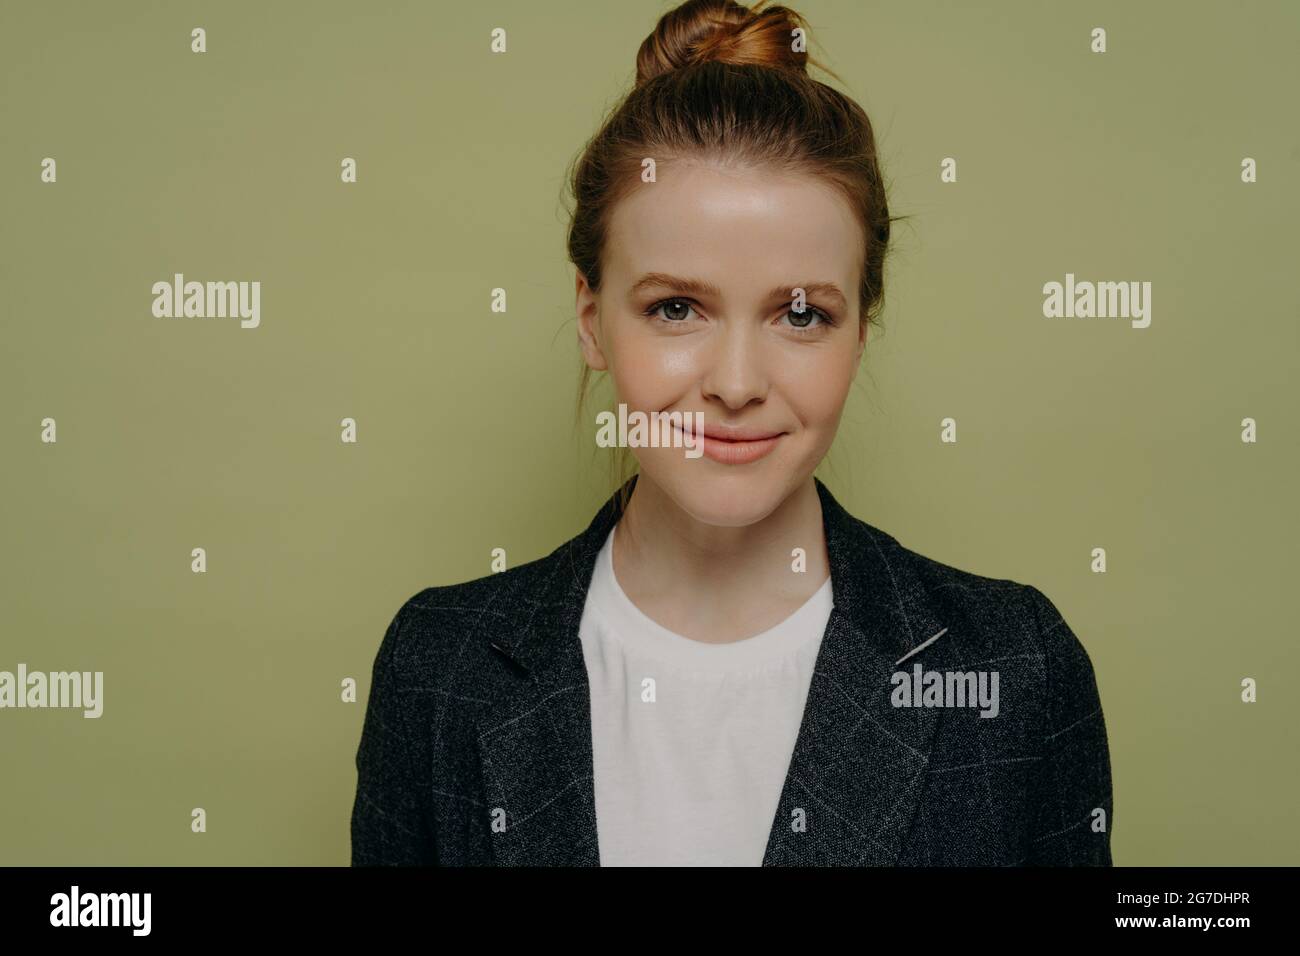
(697, 313)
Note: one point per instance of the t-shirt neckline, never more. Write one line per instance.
(638, 630)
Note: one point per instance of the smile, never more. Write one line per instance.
(733, 452)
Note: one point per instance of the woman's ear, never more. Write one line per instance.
(588, 313)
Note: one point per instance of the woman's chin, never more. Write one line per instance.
(726, 500)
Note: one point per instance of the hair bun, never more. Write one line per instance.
(700, 31)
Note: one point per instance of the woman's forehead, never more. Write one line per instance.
(695, 219)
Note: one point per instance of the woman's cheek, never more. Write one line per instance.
(677, 360)
(654, 369)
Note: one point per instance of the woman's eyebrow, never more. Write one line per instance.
(693, 286)
(701, 287)
(811, 289)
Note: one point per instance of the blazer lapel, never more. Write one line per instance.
(535, 741)
(858, 766)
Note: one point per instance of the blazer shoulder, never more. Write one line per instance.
(1072, 677)
(939, 576)
(1015, 623)
(957, 593)
(430, 629)
(1006, 612)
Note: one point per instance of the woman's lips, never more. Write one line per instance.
(729, 452)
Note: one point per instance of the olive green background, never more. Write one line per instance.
(222, 690)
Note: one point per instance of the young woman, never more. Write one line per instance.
(725, 667)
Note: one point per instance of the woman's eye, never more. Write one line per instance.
(801, 321)
(678, 311)
(674, 310)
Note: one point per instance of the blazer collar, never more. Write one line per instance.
(857, 769)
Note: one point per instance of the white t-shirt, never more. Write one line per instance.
(689, 769)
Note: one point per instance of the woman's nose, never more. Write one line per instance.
(735, 371)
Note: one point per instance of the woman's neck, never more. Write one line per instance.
(713, 583)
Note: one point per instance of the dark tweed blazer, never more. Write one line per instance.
(479, 709)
